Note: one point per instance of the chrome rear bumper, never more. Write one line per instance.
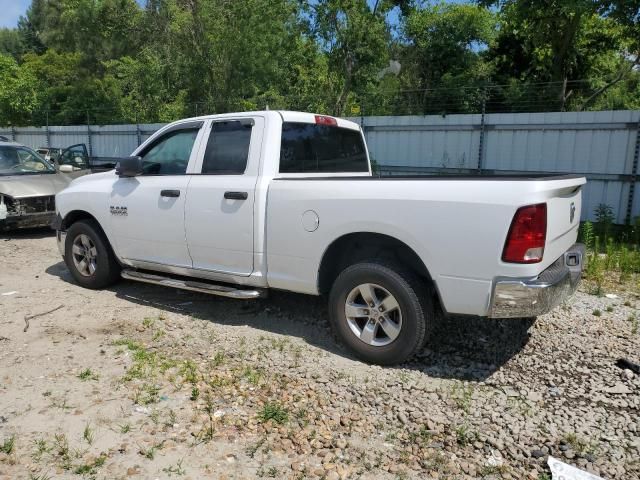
(515, 297)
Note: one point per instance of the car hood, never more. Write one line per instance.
(45, 184)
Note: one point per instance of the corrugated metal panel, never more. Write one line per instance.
(590, 143)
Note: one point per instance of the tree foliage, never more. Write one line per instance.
(72, 61)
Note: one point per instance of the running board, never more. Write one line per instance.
(194, 286)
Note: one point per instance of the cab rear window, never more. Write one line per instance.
(312, 148)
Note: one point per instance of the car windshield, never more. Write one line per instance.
(22, 161)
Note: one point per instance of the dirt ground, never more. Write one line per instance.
(139, 381)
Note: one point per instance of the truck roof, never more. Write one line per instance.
(286, 115)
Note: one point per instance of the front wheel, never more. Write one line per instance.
(89, 257)
(381, 312)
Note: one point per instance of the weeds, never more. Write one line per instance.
(88, 434)
(40, 447)
(464, 435)
(462, 395)
(8, 445)
(86, 375)
(273, 411)
(175, 469)
(596, 313)
(195, 393)
(251, 450)
(125, 428)
(610, 259)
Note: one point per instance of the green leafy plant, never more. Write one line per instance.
(273, 411)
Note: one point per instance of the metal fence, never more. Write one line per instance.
(603, 146)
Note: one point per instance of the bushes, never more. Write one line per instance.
(613, 251)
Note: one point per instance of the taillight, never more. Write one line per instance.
(325, 120)
(527, 235)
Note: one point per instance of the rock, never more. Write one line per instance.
(131, 471)
(537, 454)
(297, 466)
(618, 389)
(627, 374)
(230, 457)
(333, 475)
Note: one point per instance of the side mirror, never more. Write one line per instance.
(65, 168)
(129, 167)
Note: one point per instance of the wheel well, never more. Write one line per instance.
(355, 247)
(76, 215)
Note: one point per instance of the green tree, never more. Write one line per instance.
(18, 92)
(444, 58)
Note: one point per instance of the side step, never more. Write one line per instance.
(195, 286)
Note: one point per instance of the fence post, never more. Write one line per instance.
(89, 135)
(634, 176)
(48, 133)
(13, 133)
(138, 132)
(481, 142)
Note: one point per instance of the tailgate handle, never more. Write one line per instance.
(170, 193)
(236, 195)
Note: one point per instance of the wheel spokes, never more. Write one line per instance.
(356, 311)
(368, 294)
(390, 328)
(368, 333)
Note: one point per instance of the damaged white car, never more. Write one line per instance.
(28, 185)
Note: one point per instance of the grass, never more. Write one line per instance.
(611, 261)
(150, 452)
(273, 411)
(465, 436)
(40, 447)
(88, 434)
(8, 445)
(91, 467)
(579, 445)
(195, 393)
(125, 428)
(633, 319)
(596, 313)
(175, 469)
(609, 308)
(421, 437)
(462, 395)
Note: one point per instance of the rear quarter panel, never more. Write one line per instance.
(457, 227)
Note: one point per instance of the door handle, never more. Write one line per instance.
(236, 195)
(170, 193)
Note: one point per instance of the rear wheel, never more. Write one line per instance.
(89, 257)
(381, 311)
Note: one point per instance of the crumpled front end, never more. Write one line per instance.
(26, 212)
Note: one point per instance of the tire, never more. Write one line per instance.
(392, 335)
(100, 268)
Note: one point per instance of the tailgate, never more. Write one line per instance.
(564, 206)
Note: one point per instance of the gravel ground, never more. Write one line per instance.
(143, 382)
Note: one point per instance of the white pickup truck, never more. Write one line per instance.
(236, 204)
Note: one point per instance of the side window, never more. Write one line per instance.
(76, 157)
(312, 148)
(227, 149)
(169, 154)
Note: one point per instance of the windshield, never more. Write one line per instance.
(22, 161)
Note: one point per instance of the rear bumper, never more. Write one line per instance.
(514, 297)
